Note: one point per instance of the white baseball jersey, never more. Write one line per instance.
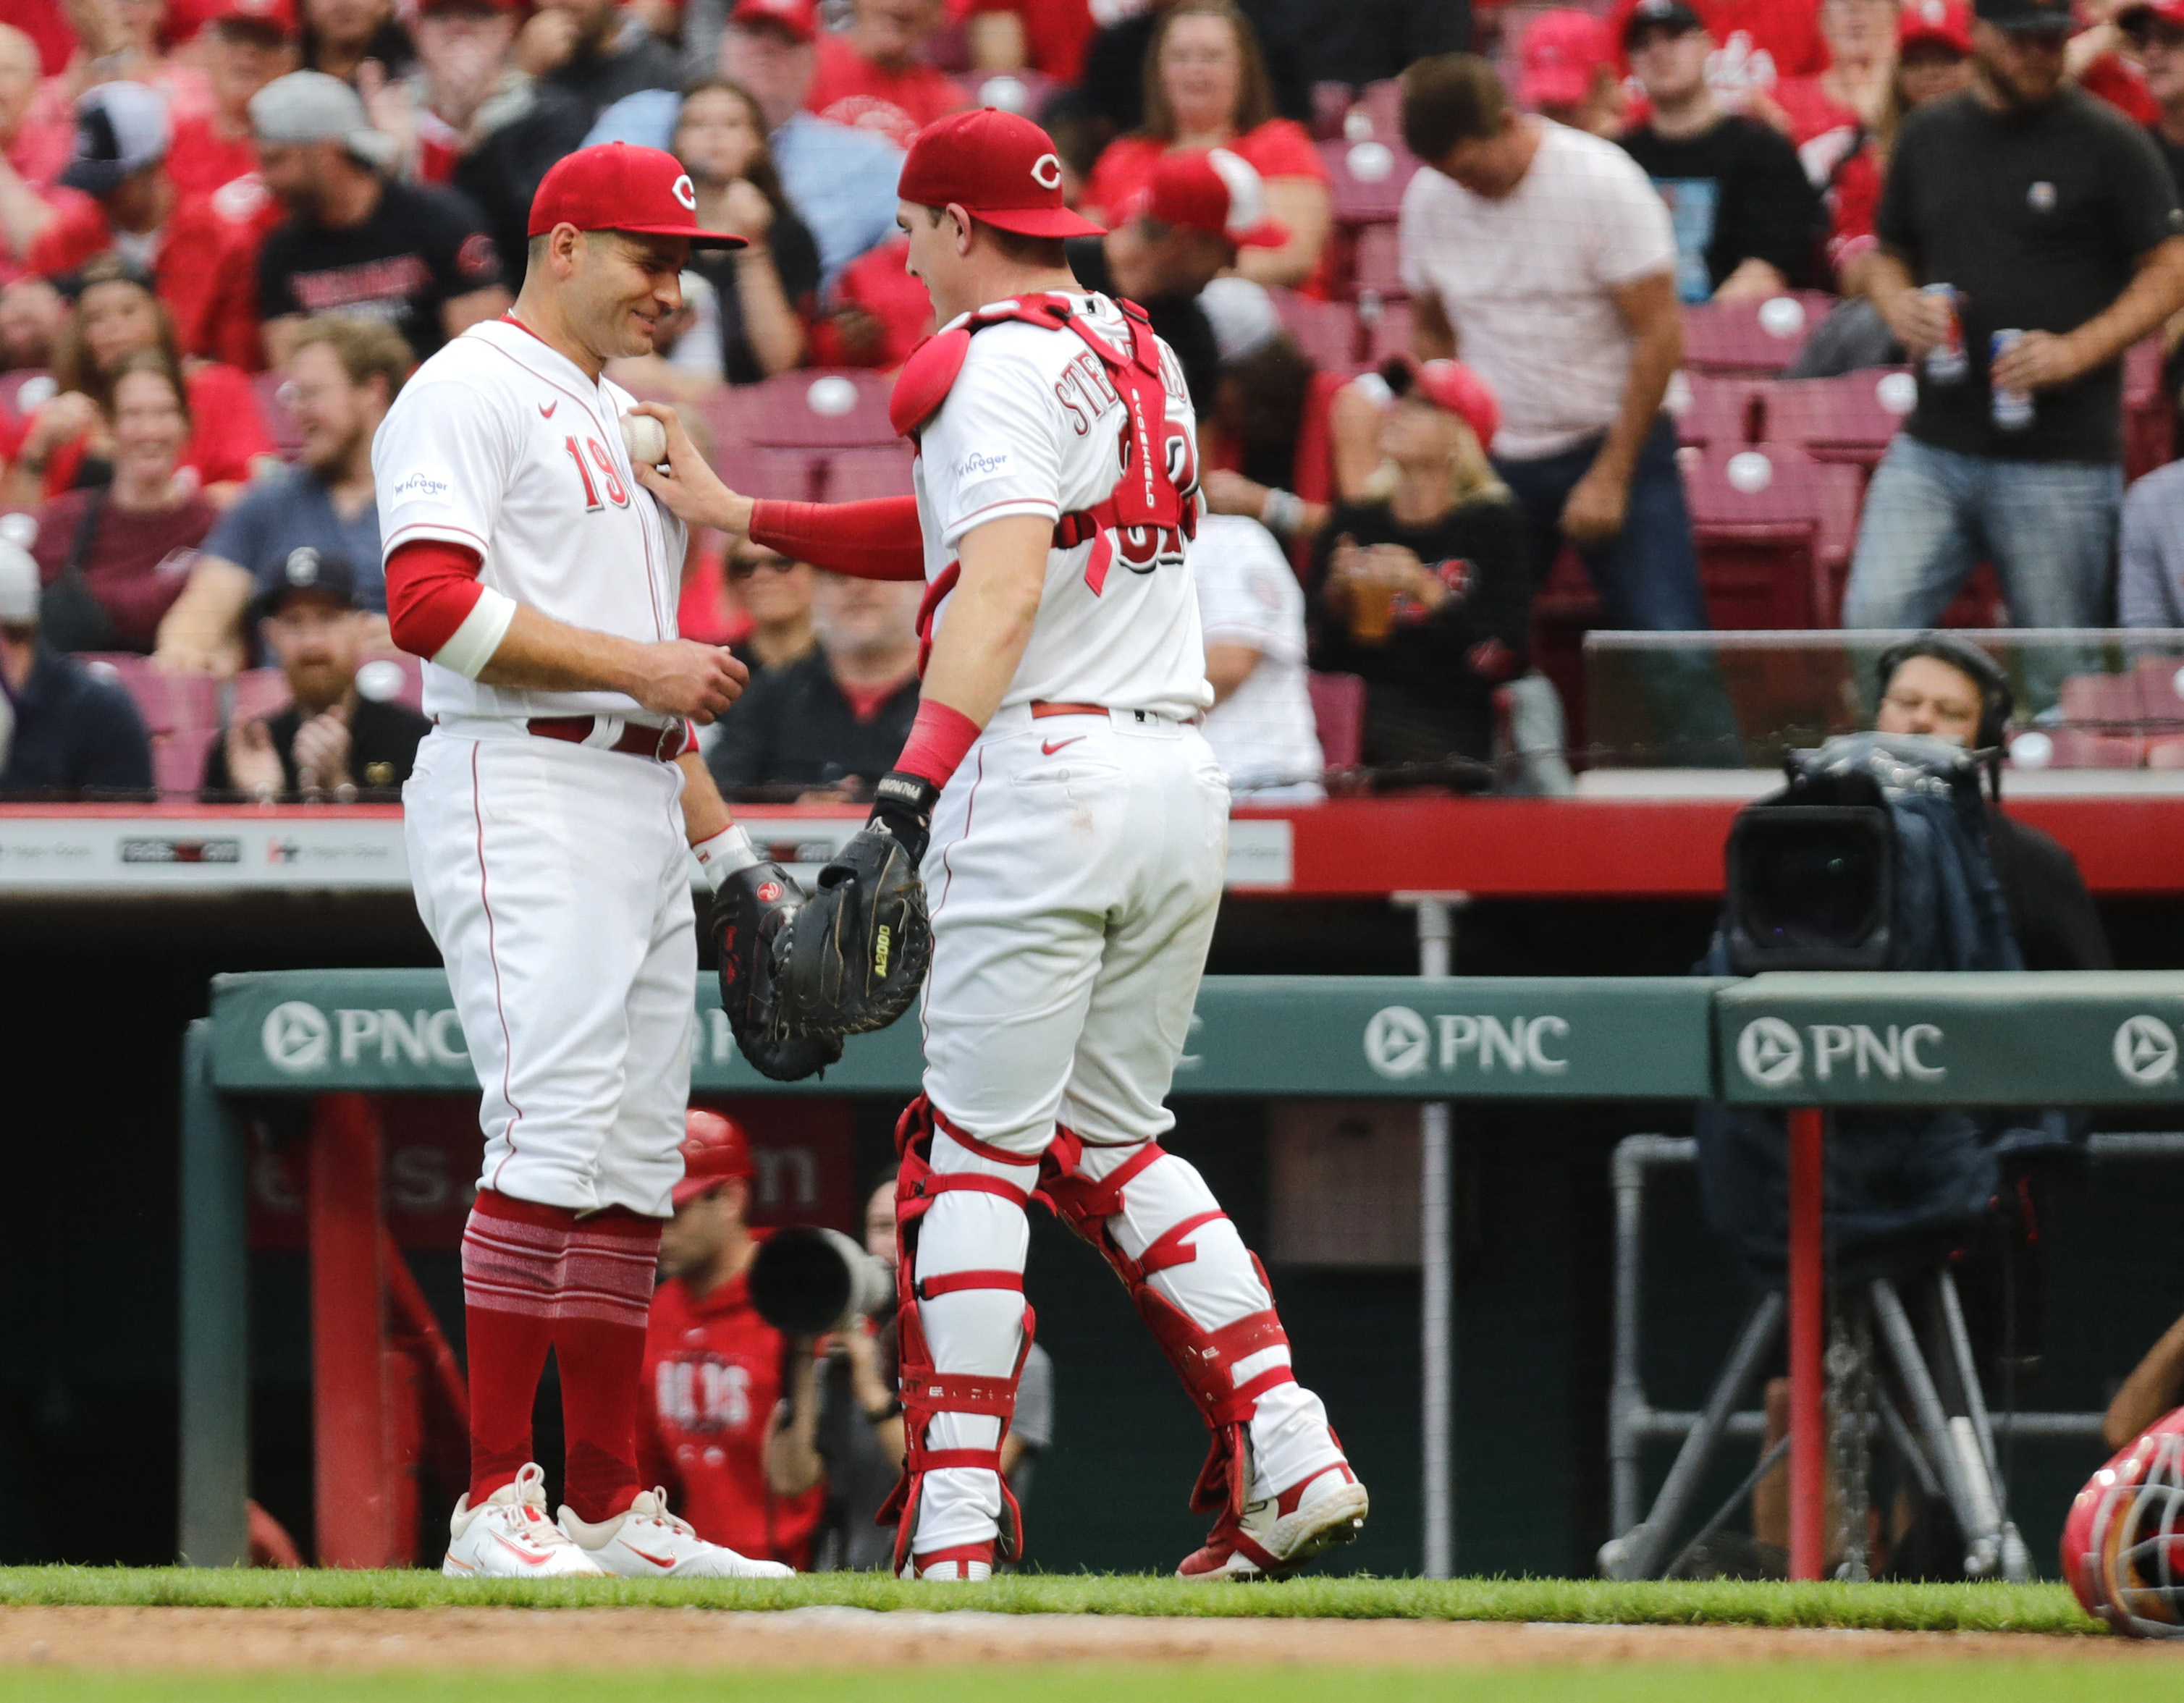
(1264, 732)
(1033, 426)
(501, 443)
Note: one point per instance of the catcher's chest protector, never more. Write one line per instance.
(1147, 514)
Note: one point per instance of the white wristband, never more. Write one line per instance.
(727, 852)
(1282, 513)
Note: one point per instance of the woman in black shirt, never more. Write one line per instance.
(1421, 588)
(767, 291)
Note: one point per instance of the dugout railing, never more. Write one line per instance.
(1802, 1043)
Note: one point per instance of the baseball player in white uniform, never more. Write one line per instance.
(1077, 827)
(549, 823)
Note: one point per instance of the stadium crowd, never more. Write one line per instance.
(1477, 307)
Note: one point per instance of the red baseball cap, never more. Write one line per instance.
(800, 18)
(714, 1149)
(997, 167)
(1213, 191)
(1561, 53)
(1949, 22)
(1450, 385)
(272, 15)
(616, 187)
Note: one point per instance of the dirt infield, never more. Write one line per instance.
(258, 1639)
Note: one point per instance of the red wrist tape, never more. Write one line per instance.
(939, 740)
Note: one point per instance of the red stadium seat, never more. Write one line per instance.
(1774, 530)
(168, 703)
(810, 409)
(178, 759)
(1850, 419)
(790, 475)
(1379, 261)
(1326, 331)
(1383, 331)
(1757, 338)
(1365, 179)
(1712, 410)
(273, 408)
(849, 475)
(1382, 104)
(259, 692)
(2104, 715)
(1338, 705)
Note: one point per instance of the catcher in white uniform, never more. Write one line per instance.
(549, 822)
(1072, 827)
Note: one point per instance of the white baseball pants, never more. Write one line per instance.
(555, 879)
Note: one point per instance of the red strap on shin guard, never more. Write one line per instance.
(948, 1282)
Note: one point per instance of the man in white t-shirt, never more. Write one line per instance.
(1251, 607)
(1544, 257)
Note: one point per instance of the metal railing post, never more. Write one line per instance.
(213, 1528)
(1437, 1283)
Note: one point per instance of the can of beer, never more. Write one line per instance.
(1945, 361)
(2011, 410)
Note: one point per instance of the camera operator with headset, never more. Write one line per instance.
(1948, 688)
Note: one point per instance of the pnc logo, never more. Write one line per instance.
(2146, 1051)
(1045, 172)
(295, 1038)
(1399, 1042)
(1396, 1042)
(1772, 1054)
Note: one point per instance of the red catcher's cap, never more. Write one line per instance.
(1949, 22)
(616, 186)
(1213, 191)
(800, 18)
(1561, 53)
(273, 14)
(996, 167)
(714, 1149)
(1450, 385)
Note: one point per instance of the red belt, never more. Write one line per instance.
(661, 745)
(1040, 709)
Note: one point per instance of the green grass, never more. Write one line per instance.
(1900, 1607)
(1936, 1682)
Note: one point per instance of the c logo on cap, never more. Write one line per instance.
(1046, 172)
(685, 194)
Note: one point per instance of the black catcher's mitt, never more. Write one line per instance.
(851, 959)
(751, 914)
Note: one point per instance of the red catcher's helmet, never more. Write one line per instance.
(714, 1149)
(2123, 1544)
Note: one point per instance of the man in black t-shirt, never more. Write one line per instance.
(1201, 208)
(333, 742)
(834, 721)
(1748, 222)
(2052, 217)
(358, 242)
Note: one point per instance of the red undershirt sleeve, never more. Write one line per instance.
(437, 608)
(877, 539)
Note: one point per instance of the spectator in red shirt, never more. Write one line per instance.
(1048, 37)
(245, 45)
(712, 1367)
(1933, 59)
(1566, 72)
(1205, 86)
(1827, 112)
(873, 74)
(132, 543)
(117, 319)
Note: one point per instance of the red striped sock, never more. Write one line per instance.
(514, 1252)
(598, 1339)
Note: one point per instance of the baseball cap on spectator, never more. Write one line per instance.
(1678, 15)
(310, 106)
(1216, 191)
(714, 1149)
(1242, 315)
(1945, 23)
(997, 167)
(2135, 18)
(1561, 53)
(2027, 17)
(617, 186)
(18, 586)
(799, 18)
(308, 573)
(121, 129)
(1447, 384)
(278, 15)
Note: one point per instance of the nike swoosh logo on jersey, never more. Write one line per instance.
(1048, 748)
(546, 409)
(525, 1557)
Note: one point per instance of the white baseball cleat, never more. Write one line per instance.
(509, 1537)
(1274, 1538)
(644, 1541)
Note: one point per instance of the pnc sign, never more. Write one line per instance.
(1399, 1043)
(300, 1040)
(1775, 1054)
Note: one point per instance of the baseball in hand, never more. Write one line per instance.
(646, 438)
